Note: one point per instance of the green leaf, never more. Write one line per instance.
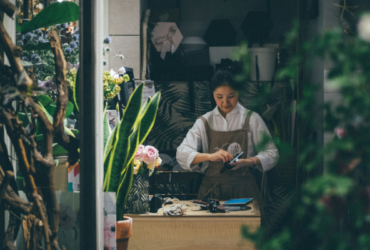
(146, 106)
(23, 118)
(134, 144)
(109, 146)
(120, 151)
(50, 118)
(59, 150)
(52, 106)
(127, 175)
(55, 13)
(76, 88)
(148, 118)
(123, 189)
(44, 100)
(39, 46)
(106, 128)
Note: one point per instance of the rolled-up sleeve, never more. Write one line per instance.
(268, 154)
(190, 146)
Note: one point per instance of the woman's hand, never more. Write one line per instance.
(220, 155)
(242, 162)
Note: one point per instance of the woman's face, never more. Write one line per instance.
(226, 98)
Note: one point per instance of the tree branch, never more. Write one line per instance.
(14, 130)
(61, 81)
(10, 198)
(70, 143)
(8, 7)
(47, 130)
(13, 53)
(5, 182)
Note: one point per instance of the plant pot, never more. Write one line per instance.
(123, 232)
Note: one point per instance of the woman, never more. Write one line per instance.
(218, 136)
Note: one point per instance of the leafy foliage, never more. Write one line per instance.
(333, 212)
(53, 14)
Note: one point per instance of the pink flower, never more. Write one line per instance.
(151, 153)
(140, 153)
(341, 132)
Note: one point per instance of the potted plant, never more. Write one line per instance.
(120, 149)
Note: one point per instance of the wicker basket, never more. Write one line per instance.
(182, 185)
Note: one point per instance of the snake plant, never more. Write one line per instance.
(120, 148)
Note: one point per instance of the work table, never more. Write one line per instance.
(196, 230)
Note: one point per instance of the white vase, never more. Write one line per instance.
(266, 59)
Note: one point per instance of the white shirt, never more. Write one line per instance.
(196, 139)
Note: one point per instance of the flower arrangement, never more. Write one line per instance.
(146, 160)
(111, 81)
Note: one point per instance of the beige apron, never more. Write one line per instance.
(230, 184)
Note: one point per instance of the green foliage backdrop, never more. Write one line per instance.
(334, 209)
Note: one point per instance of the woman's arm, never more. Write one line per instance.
(251, 161)
(268, 155)
(220, 155)
(188, 153)
(190, 146)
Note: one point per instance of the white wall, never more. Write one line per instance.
(124, 28)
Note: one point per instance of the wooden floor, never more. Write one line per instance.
(196, 230)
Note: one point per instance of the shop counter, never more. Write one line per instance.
(196, 230)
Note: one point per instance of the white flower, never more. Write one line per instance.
(112, 72)
(121, 71)
(364, 27)
(120, 56)
(116, 76)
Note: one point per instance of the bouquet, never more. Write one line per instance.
(111, 80)
(146, 160)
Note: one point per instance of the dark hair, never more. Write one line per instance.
(224, 78)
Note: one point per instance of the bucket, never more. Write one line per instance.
(264, 60)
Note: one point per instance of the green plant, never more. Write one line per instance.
(333, 210)
(53, 14)
(48, 106)
(121, 146)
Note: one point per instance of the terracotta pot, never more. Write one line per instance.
(123, 232)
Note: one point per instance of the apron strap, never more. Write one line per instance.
(248, 116)
(204, 120)
(207, 127)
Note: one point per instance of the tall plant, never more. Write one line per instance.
(121, 146)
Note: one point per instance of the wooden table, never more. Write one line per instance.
(195, 230)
